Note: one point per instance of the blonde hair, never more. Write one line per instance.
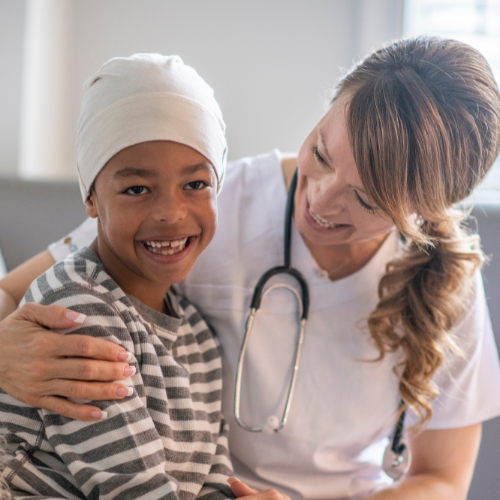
(423, 116)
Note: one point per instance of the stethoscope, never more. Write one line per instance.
(397, 458)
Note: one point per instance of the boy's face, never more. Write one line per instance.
(157, 211)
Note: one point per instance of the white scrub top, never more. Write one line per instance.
(345, 404)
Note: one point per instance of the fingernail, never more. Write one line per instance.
(75, 317)
(124, 356)
(99, 415)
(124, 391)
(128, 371)
(232, 480)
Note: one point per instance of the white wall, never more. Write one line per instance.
(11, 61)
(272, 63)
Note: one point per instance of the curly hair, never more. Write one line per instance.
(423, 117)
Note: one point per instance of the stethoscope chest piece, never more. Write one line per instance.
(395, 465)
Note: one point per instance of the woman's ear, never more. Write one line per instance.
(90, 204)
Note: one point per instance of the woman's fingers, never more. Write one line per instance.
(38, 366)
(82, 346)
(57, 318)
(240, 489)
(52, 316)
(90, 391)
(71, 410)
(84, 369)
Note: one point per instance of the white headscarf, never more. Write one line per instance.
(147, 97)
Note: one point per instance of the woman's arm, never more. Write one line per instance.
(17, 282)
(42, 368)
(442, 466)
(441, 469)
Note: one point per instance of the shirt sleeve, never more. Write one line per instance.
(470, 382)
(215, 486)
(122, 456)
(80, 237)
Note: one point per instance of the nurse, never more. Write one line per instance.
(397, 303)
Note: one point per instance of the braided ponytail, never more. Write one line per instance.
(424, 122)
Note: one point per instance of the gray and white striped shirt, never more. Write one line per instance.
(166, 441)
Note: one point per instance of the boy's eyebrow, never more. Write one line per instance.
(192, 169)
(133, 172)
(144, 172)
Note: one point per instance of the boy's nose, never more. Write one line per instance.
(170, 210)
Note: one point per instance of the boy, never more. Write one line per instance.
(151, 158)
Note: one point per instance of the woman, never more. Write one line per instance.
(397, 305)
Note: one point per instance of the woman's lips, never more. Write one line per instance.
(319, 224)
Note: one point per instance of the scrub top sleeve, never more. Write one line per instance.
(470, 383)
(80, 237)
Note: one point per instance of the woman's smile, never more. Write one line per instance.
(320, 224)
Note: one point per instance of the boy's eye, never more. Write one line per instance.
(135, 190)
(196, 185)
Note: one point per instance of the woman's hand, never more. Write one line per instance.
(240, 490)
(41, 368)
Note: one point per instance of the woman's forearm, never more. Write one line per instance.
(424, 487)
(442, 466)
(16, 283)
(7, 304)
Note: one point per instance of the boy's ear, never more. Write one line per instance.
(90, 205)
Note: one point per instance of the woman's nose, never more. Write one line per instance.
(327, 199)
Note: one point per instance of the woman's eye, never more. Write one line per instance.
(365, 205)
(196, 185)
(317, 155)
(135, 190)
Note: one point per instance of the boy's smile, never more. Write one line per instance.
(156, 209)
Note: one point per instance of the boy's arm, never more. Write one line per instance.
(122, 454)
(215, 486)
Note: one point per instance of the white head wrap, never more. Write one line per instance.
(147, 97)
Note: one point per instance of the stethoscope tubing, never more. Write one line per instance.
(399, 460)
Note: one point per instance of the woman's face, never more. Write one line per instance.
(331, 206)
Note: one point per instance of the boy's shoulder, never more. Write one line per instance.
(189, 315)
(79, 273)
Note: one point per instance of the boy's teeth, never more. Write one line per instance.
(167, 247)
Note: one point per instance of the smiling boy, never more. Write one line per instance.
(151, 158)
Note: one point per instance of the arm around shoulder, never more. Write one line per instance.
(42, 368)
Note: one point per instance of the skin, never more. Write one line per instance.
(156, 192)
(329, 186)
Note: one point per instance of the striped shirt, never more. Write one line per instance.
(167, 440)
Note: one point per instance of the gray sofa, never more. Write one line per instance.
(33, 214)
